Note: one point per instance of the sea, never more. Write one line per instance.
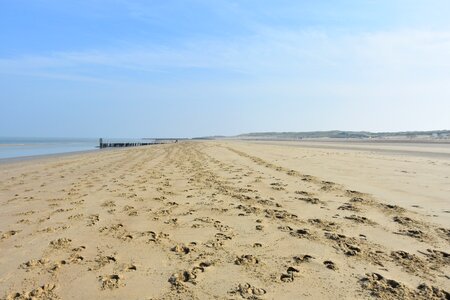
(16, 147)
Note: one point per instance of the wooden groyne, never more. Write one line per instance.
(118, 144)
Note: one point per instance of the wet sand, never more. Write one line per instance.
(227, 220)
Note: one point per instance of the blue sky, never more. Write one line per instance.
(196, 67)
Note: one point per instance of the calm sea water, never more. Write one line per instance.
(20, 147)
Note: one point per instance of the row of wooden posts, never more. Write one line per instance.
(116, 144)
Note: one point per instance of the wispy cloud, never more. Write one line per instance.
(269, 53)
(284, 65)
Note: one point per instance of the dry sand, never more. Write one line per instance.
(227, 220)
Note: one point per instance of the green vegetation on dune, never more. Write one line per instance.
(346, 134)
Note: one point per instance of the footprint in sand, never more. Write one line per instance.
(303, 258)
(181, 249)
(414, 233)
(301, 233)
(247, 291)
(43, 292)
(24, 221)
(290, 274)
(345, 244)
(406, 221)
(178, 279)
(102, 260)
(93, 219)
(173, 221)
(358, 200)
(410, 262)
(246, 260)
(330, 265)
(34, 263)
(9, 234)
(222, 237)
(110, 282)
(391, 208)
(436, 258)
(384, 288)
(360, 220)
(75, 258)
(327, 186)
(303, 193)
(60, 243)
(76, 217)
(108, 204)
(349, 207)
(310, 200)
(323, 224)
(128, 268)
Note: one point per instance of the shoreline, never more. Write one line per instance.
(11, 160)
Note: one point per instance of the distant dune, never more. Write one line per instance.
(435, 134)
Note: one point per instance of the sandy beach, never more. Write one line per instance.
(228, 220)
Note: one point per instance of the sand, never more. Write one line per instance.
(228, 220)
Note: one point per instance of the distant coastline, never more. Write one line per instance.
(4, 161)
(17, 147)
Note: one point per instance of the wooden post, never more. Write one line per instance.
(101, 143)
